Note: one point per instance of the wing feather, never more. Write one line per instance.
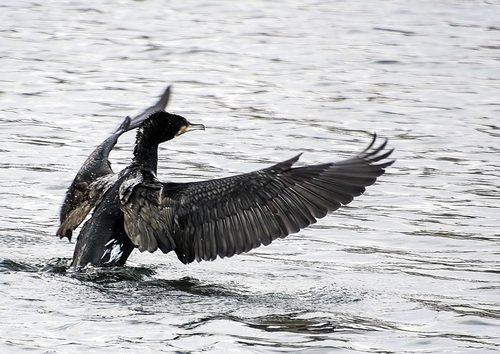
(81, 198)
(145, 219)
(228, 216)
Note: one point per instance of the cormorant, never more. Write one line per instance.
(200, 220)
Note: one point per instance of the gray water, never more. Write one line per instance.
(411, 266)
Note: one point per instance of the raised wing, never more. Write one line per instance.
(91, 181)
(96, 176)
(228, 216)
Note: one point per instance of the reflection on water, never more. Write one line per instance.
(412, 266)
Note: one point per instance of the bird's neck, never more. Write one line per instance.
(146, 157)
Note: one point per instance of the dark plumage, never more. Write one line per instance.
(202, 220)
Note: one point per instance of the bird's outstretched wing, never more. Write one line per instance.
(228, 216)
(96, 176)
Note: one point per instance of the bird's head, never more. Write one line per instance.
(162, 126)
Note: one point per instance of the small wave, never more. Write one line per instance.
(8, 265)
(105, 275)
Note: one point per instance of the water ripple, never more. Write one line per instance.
(412, 266)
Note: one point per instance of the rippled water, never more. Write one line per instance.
(411, 266)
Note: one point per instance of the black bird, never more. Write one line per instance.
(208, 219)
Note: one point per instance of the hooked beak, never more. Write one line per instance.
(190, 127)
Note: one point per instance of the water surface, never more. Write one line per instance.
(411, 266)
